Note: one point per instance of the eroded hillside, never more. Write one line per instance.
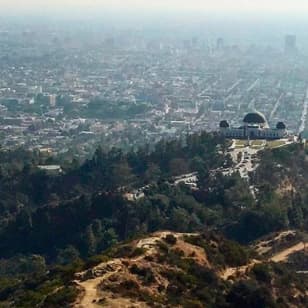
(170, 269)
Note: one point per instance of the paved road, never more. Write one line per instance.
(304, 115)
(253, 85)
(246, 164)
(275, 107)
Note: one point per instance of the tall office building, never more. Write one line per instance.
(52, 100)
(290, 44)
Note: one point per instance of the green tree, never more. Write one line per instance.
(68, 255)
(152, 173)
(90, 241)
(109, 238)
(122, 175)
(178, 166)
(296, 216)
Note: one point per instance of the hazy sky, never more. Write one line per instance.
(193, 5)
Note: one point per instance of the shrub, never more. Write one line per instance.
(138, 251)
(248, 294)
(7, 285)
(162, 246)
(235, 254)
(62, 298)
(190, 303)
(123, 251)
(170, 239)
(149, 258)
(146, 273)
(128, 288)
(95, 260)
(262, 272)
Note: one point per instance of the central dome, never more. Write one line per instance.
(254, 118)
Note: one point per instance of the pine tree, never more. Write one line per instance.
(90, 241)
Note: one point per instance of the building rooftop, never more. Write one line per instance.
(224, 124)
(280, 125)
(254, 117)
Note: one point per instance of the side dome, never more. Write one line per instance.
(255, 117)
(224, 124)
(280, 125)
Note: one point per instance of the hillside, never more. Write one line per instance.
(54, 226)
(170, 269)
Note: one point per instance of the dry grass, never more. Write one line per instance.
(107, 285)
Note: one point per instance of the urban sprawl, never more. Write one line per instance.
(65, 92)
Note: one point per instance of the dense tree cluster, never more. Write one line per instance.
(85, 207)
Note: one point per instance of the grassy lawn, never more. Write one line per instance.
(240, 143)
(257, 143)
(274, 144)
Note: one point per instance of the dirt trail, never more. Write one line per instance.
(265, 246)
(89, 286)
(90, 293)
(91, 296)
(238, 270)
(283, 255)
(278, 257)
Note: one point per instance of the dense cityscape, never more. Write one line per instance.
(64, 92)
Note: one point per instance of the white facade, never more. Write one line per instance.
(252, 130)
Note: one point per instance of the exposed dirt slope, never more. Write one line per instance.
(266, 247)
(140, 272)
(100, 285)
